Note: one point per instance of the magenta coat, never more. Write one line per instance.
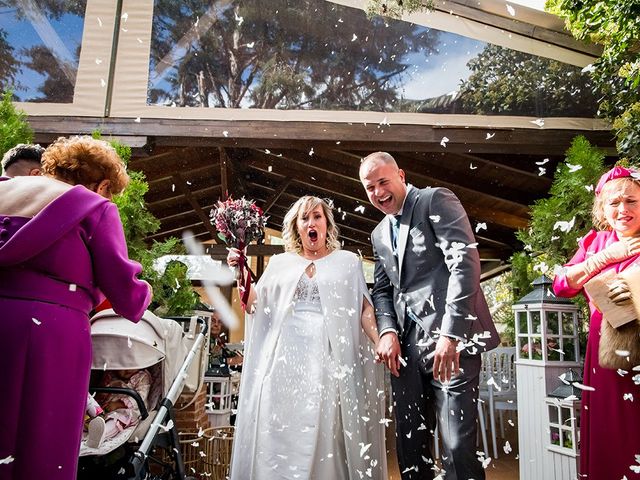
(54, 269)
(610, 419)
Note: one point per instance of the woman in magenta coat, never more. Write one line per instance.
(610, 417)
(62, 250)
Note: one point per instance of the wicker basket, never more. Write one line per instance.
(207, 457)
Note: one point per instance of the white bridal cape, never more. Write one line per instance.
(289, 426)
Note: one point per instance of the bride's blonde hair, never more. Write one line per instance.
(290, 234)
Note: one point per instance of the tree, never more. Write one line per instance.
(558, 221)
(14, 127)
(279, 54)
(9, 66)
(508, 82)
(615, 24)
(172, 291)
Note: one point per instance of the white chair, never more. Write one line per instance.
(498, 387)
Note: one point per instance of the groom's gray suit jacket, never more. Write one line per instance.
(434, 279)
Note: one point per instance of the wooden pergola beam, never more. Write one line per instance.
(204, 218)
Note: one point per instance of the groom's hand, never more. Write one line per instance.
(446, 362)
(388, 352)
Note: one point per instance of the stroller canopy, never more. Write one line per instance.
(119, 344)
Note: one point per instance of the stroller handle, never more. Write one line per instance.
(138, 460)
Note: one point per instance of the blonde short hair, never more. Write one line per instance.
(290, 234)
(84, 161)
(609, 188)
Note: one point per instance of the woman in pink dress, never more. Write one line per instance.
(62, 250)
(610, 418)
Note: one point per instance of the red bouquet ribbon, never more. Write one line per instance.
(245, 277)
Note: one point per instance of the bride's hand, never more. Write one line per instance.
(233, 257)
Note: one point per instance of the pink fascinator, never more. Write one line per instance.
(615, 172)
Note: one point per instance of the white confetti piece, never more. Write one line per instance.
(99, 21)
(507, 447)
(481, 226)
(250, 45)
(573, 168)
(472, 166)
(36, 321)
(490, 136)
(628, 396)
(364, 448)
(511, 10)
(359, 208)
(539, 122)
(129, 343)
(311, 152)
(73, 287)
(225, 133)
(564, 226)
(583, 387)
(541, 171)
(542, 162)
(6, 460)
(623, 353)
(103, 83)
(354, 38)
(168, 427)
(402, 361)
(434, 218)
(444, 141)
(588, 69)
(137, 120)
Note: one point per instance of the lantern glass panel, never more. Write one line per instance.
(553, 414)
(536, 323)
(567, 324)
(555, 435)
(553, 349)
(552, 323)
(522, 322)
(525, 348)
(567, 439)
(569, 351)
(566, 414)
(536, 350)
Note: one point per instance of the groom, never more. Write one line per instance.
(432, 318)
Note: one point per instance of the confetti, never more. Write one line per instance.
(481, 226)
(542, 162)
(444, 141)
(36, 321)
(511, 10)
(225, 133)
(490, 136)
(359, 208)
(539, 122)
(573, 168)
(6, 460)
(73, 287)
(541, 171)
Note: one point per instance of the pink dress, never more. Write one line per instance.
(610, 418)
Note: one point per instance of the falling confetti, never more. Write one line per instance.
(444, 141)
(539, 122)
(434, 218)
(36, 321)
(359, 208)
(73, 287)
(490, 136)
(354, 38)
(225, 133)
(541, 171)
(542, 162)
(481, 226)
(511, 10)
(472, 166)
(573, 168)
(137, 120)
(6, 460)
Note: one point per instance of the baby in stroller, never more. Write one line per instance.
(117, 411)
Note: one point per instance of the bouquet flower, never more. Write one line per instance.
(238, 223)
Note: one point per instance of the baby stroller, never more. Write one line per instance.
(150, 449)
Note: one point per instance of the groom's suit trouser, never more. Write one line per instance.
(419, 400)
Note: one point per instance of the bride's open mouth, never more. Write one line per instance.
(313, 235)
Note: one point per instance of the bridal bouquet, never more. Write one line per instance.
(238, 223)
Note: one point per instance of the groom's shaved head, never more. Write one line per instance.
(377, 158)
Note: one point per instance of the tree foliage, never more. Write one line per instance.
(14, 127)
(508, 82)
(558, 221)
(615, 24)
(396, 8)
(279, 54)
(172, 291)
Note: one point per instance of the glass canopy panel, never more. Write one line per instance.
(40, 48)
(293, 55)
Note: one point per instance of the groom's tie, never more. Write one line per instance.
(395, 231)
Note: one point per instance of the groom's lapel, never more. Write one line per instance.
(405, 222)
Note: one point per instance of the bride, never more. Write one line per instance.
(311, 400)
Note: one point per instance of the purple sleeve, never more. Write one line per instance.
(560, 284)
(114, 273)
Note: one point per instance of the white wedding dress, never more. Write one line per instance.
(311, 404)
(302, 382)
